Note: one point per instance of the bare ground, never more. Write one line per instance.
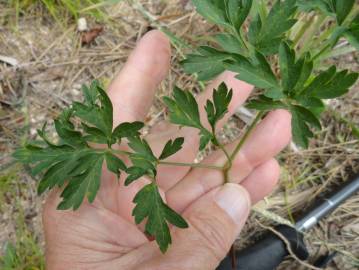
(52, 65)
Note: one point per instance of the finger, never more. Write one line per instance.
(169, 175)
(266, 141)
(262, 180)
(133, 89)
(131, 93)
(215, 221)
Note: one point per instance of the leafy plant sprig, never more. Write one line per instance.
(87, 138)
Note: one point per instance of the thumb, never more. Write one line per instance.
(215, 221)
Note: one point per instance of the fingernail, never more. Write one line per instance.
(234, 200)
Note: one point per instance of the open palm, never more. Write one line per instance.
(103, 235)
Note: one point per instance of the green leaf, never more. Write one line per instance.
(142, 157)
(126, 129)
(134, 173)
(263, 103)
(290, 69)
(207, 63)
(150, 205)
(307, 116)
(172, 147)
(94, 134)
(266, 35)
(330, 84)
(230, 44)
(91, 93)
(86, 184)
(205, 138)
(212, 10)
(255, 71)
(183, 110)
(300, 130)
(228, 13)
(309, 5)
(342, 9)
(219, 107)
(141, 148)
(274, 93)
(352, 33)
(66, 130)
(99, 115)
(237, 11)
(315, 105)
(305, 67)
(114, 164)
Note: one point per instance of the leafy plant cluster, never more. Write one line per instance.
(87, 138)
(296, 87)
(75, 162)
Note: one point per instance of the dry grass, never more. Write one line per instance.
(53, 65)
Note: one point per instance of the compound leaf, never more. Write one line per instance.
(266, 35)
(330, 84)
(183, 110)
(150, 205)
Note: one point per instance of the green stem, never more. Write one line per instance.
(120, 152)
(228, 165)
(192, 165)
(221, 146)
(248, 132)
(325, 48)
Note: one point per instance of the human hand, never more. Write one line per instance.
(103, 235)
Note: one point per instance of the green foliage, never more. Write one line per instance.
(207, 63)
(219, 107)
(183, 111)
(74, 164)
(150, 205)
(86, 135)
(296, 87)
(265, 34)
(171, 148)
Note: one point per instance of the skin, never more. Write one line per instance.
(103, 235)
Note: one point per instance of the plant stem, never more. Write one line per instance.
(192, 165)
(120, 152)
(228, 165)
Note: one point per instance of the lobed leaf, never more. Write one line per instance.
(127, 129)
(183, 110)
(207, 63)
(150, 205)
(255, 71)
(172, 147)
(266, 35)
(219, 107)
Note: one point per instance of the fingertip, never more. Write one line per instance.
(157, 39)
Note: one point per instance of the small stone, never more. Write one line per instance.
(82, 25)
